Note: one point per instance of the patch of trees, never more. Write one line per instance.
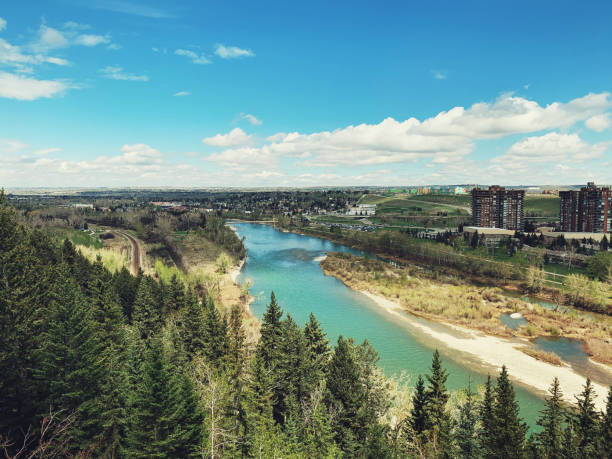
(100, 365)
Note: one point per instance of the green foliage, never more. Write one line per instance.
(552, 419)
(467, 428)
(164, 417)
(599, 266)
(585, 422)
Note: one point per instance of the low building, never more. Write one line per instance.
(365, 210)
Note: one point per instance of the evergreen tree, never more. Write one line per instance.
(126, 287)
(68, 364)
(271, 334)
(419, 419)
(550, 438)
(164, 418)
(192, 327)
(569, 449)
(605, 429)
(466, 431)
(318, 349)
(347, 396)
(236, 370)
(174, 295)
(439, 423)
(586, 422)
(291, 375)
(509, 429)
(487, 420)
(215, 339)
(147, 314)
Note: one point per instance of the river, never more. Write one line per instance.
(287, 264)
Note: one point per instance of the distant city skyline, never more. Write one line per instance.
(122, 93)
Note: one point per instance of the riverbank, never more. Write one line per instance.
(496, 351)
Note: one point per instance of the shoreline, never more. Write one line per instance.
(495, 351)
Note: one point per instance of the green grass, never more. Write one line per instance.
(539, 206)
(77, 237)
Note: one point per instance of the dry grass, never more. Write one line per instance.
(548, 357)
(113, 259)
(470, 306)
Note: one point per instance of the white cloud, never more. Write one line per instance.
(11, 146)
(116, 73)
(232, 52)
(24, 88)
(234, 138)
(182, 94)
(2, 24)
(195, 58)
(598, 123)
(438, 75)
(46, 151)
(251, 119)
(50, 38)
(445, 138)
(14, 56)
(91, 40)
(551, 147)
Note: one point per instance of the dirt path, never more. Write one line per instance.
(136, 252)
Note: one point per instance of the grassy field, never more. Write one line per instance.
(542, 206)
(77, 237)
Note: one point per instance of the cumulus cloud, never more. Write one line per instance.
(195, 58)
(598, 123)
(551, 147)
(438, 75)
(234, 138)
(24, 88)
(46, 151)
(445, 138)
(232, 52)
(182, 94)
(2, 24)
(11, 146)
(116, 73)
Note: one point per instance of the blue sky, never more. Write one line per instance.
(142, 93)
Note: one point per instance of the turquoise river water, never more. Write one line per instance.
(287, 264)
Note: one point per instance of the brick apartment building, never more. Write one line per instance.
(587, 210)
(498, 208)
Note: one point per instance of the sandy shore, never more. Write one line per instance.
(495, 352)
(235, 272)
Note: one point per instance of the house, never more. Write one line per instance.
(366, 210)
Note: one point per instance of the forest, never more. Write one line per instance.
(94, 364)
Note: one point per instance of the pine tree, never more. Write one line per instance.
(215, 338)
(192, 327)
(174, 295)
(605, 429)
(439, 421)
(347, 396)
(466, 431)
(419, 419)
(147, 314)
(291, 375)
(487, 420)
(236, 370)
(271, 334)
(68, 364)
(550, 438)
(586, 422)
(569, 450)
(126, 287)
(318, 349)
(164, 417)
(509, 429)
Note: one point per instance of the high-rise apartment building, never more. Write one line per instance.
(498, 208)
(587, 210)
